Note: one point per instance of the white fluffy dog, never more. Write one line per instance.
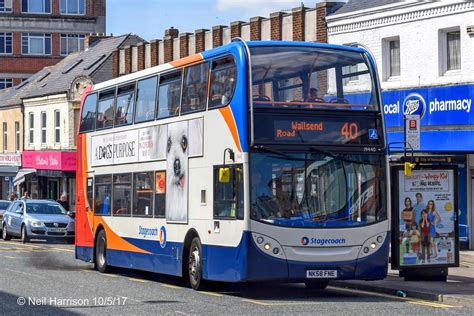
(177, 172)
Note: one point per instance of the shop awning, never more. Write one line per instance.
(21, 175)
(8, 171)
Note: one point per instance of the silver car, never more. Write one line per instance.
(3, 207)
(38, 219)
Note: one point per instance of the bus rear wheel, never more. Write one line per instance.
(195, 264)
(317, 285)
(101, 252)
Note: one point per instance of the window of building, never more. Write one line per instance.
(57, 126)
(43, 127)
(143, 194)
(5, 5)
(73, 7)
(6, 83)
(89, 109)
(122, 195)
(36, 6)
(6, 42)
(160, 193)
(5, 137)
(105, 110)
(31, 119)
(17, 136)
(146, 99)
(195, 88)
(394, 48)
(223, 80)
(346, 74)
(71, 43)
(169, 94)
(453, 50)
(102, 196)
(125, 105)
(36, 44)
(228, 195)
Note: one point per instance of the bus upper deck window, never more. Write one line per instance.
(125, 105)
(223, 81)
(146, 99)
(169, 94)
(105, 109)
(195, 88)
(88, 113)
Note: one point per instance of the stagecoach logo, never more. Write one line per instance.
(414, 104)
(304, 241)
(162, 237)
(322, 241)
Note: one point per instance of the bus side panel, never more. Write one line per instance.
(223, 263)
(84, 238)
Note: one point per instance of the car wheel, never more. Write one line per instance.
(317, 285)
(24, 235)
(5, 234)
(195, 264)
(101, 252)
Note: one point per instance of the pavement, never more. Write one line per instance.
(45, 279)
(458, 290)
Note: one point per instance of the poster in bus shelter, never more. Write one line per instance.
(427, 218)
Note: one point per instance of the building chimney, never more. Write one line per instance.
(92, 38)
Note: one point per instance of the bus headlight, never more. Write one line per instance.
(372, 244)
(268, 245)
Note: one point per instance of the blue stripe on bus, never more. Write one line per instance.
(244, 262)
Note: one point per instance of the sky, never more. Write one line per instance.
(150, 18)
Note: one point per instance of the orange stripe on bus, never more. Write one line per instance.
(186, 60)
(229, 119)
(116, 242)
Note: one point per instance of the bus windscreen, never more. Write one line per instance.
(311, 77)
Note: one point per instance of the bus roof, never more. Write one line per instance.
(216, 52)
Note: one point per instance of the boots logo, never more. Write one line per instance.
(414, 104)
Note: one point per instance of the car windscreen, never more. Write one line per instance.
(45, 208)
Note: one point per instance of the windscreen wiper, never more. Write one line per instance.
(273, 151)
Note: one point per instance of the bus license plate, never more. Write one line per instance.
(57, 230)
(321, 274)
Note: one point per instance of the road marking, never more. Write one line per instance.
(431, 304)
(110, 275)
(211, 293)
(406, 299)
(63, 249)
(9, 257)
(180, 312)
(256, 302)
(138, 280)
(85, 270)
(171, 286)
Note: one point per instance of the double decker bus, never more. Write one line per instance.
(254, 161)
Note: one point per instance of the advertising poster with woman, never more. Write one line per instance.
(427, 218)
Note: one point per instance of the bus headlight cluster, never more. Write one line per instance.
(268, 245)
(371, 245)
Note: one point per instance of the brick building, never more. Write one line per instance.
(39, 33)
(301, 24)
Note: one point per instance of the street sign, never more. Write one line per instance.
(412, 131)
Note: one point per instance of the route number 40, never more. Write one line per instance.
(350, 131)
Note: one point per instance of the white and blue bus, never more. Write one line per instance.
(254, 161)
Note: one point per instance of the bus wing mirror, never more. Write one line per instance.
(409, 168)
(224, 175)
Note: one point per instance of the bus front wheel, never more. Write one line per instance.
(195, 264)
(317, 285)
(101, 252)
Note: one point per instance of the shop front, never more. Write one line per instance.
(50, 175)
(9, 166)
(446, 138)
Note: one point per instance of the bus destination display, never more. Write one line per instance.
(318, 130)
